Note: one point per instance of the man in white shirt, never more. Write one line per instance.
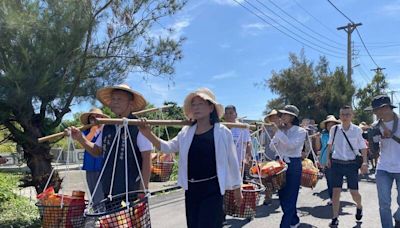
(386, 132)
(241, 136)
(343, 160)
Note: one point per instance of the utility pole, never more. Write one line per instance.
(378, 70)
(349, 28)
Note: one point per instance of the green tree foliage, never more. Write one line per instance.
(173, 113)
(315, 90)
(57, 53)
(364, 97)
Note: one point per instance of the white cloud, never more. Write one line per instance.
(225, 75)
(227, 2)
(256, 26)
(225, 45)
(254, 29)
(391, 9)
(177, 27)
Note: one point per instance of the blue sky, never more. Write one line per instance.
(228, 49)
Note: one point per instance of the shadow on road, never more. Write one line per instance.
(322, 212)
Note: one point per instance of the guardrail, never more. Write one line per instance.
(76, 157)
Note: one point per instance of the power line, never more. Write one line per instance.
(341, 12)
(289, 24)
(316, 19)
(358, 33)
(280, 30)
(305, 26)
(366, 49)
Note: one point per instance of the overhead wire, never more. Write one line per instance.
(297, 28)
(317, 20)
(281, 30)
(358, 33)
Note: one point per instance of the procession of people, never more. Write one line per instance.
(212, 157)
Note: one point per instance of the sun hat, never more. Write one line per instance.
(329, 118)
(93, 111)
(380, 101)
(205, 94)
(271, 113)
(291, 110)
(104, 96)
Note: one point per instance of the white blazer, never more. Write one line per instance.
(228, 171)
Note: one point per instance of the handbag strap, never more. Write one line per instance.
(351, 147)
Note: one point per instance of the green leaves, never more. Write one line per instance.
(315, 90)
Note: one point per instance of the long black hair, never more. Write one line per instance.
(296, 121)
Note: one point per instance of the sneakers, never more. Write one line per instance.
(295, 226)
(359, 214)
(334, 222)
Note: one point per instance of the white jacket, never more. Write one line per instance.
(228, 171)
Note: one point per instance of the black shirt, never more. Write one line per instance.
(201, 157)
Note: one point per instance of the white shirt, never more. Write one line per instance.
(142, 142)
(241, 137)
(341, 148)
(389, 159)
(289, 144)
(228, 171)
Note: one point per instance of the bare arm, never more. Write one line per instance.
(146, 168)
(92, 148)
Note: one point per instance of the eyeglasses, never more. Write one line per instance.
(345, 114)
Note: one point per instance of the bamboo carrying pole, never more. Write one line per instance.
(85, 127)
(167, 123)
(61, 134)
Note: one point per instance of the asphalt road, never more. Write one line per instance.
(169, 211)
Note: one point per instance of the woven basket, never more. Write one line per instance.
(161, 171)
(275, 182)
(62, 216)
(308, 179)
(117, 213)
(247, 207)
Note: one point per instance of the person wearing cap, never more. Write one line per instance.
(241, 136)
(345, 142)
(270, 154)
(122, 101)
(326, 126)
(91, 164)
(388, 167)
(208, 164)
(288, 141)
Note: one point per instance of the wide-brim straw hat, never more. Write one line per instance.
(329, 118)
(85, 116)
(272, 113)
(104, 96)
(205, 94)
(291, 110)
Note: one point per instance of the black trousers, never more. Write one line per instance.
(203, 202)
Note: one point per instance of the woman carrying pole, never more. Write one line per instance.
(208, 162)
(288, 140)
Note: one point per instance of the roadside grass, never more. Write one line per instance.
(15, 210)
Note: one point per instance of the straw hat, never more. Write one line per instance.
(205, 94)
(104, 96)
(85, 116)
(291, 110)
(273, 112)
(329, 118)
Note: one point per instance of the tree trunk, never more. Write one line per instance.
(39, 162)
